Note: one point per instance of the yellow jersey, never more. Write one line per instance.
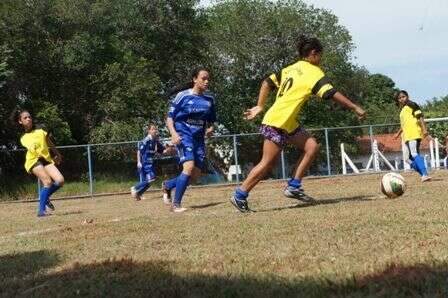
(35, 142)
(409, 119)
(295, 83)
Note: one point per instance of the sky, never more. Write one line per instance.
(407, 40)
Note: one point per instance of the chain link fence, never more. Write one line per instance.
(97, 169)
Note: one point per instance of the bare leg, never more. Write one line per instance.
(40, 172)
(271, 152)
(309, 146)
(55, 174)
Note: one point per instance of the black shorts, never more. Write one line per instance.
(40, 162)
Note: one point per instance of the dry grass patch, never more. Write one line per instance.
(353, 242)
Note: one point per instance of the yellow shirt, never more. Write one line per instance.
(409, 119)
(35, 142)
(295, 83)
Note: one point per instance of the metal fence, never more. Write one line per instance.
(110, 168)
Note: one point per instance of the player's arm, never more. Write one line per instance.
(398, 133)
(345, 102)
(422, 123)
(265, 89)
(139, 161)
(175, 138)
(54, 152)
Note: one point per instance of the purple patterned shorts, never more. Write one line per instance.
(278, 135)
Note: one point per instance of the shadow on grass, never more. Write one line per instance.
(128, 278)
(206, 205)
(321, 202)
(18, 266)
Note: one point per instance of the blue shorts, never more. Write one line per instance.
(147, 173)
(191, 149)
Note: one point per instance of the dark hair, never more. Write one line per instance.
(399, 92)
(190, 84)
(306, 44)
(15, 117)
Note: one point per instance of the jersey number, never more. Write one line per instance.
(286, 86)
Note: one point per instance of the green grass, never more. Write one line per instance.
(354, 243)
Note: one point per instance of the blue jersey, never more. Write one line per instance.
(147, 148)
(191, 113)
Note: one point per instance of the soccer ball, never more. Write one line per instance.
(393, 185)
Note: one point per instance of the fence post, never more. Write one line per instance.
(283, 164)
(235, 150)
(327, 147)
(89, 160)
(371, 137)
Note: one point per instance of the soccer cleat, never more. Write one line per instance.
(297, 193)
(426, 178)
(135, 194)
(50, 205)
(166, 195)
(177, 209)
(241, 205)
(42, 214)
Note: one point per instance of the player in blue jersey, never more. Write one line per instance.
(190, 119)
(147, 148)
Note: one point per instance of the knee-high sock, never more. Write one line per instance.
(171, 183)
(182, 182)
(53, 188)
(420, 165)
(43, 198)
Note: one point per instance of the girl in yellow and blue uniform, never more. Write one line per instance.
(295, 84)
(413, 130)
(39, 161)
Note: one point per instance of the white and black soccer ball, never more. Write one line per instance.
(393, 185)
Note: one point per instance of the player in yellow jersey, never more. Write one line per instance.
(413, 130)
(39, 161)
(294, 84)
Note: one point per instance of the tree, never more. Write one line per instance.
(437, 107)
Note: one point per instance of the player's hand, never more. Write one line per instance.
(209, 132)
(252, 112)
(176, 139)
(360, 113)
(57, 159)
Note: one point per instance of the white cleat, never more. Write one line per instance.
(426, 178)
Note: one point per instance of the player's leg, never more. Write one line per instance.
(186, 159)
(309, 147)
(58, 181)
(271, 152)
(39, 171)
(418, 163)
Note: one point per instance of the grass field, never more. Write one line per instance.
(353, 242)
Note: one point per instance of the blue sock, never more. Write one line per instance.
(241, 194)
(171, 183)
(141, 187)
(43, 198)
(181, 185)
(53, 188)
(296, 183)
(420, 163)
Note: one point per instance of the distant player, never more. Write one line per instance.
(147, 148)
(41, 159)
(190, 119)
(413, 130)
(280, 127)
